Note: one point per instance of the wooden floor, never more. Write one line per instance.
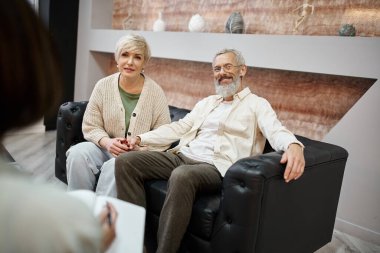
(35, 153)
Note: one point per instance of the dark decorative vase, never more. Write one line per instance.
(347, 30)
(235, 23)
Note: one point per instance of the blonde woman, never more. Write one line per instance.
(121, 106)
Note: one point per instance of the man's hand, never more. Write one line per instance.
(295, 160)
(133, 143)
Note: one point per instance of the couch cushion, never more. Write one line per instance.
(177, 113)
(204, 210)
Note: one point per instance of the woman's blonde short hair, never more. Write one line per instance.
(132, 42)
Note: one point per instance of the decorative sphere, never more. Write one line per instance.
(347, 30)
(235, 23)
(196, 23)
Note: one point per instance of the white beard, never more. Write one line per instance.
(227, 90)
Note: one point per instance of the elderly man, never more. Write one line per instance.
(221, 129)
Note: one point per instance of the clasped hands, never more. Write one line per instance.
(117, 146)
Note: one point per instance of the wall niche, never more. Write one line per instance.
(286, 17)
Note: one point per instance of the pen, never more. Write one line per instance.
(109, 218)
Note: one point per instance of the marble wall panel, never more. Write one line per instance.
(321, 17)
(309, 104)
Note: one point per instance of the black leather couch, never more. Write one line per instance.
(255, 211)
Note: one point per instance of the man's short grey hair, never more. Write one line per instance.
(132, 42)
(238, 55)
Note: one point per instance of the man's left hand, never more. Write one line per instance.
(295, 160)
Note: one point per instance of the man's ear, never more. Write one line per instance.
(243, 70)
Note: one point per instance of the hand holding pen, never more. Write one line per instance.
(108, 218)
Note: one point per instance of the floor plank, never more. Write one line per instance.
(35, 153)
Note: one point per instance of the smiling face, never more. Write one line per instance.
(132, 52)
(130, 63)
(228, 75)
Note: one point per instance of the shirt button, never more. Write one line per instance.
(129, 133)
(134, 114)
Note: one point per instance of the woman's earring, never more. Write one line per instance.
(142, 71)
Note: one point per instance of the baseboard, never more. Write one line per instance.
(355, 230)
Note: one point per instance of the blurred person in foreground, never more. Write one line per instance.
(36, 217)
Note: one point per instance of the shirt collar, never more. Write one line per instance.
(238, 96)
(243, 93)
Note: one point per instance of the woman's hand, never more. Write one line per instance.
(108, 218)
(115, 146)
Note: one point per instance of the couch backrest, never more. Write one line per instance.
(69, 132)
(177, 113)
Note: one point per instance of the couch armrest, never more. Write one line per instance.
(69, 132)
(266, 214)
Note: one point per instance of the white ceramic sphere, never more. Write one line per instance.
(196, 23)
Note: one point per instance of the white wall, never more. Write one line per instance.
(358, 132)
(359, 206)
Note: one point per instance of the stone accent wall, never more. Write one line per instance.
(309, 104)
(260, 16)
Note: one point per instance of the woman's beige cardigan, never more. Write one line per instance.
(105, 115)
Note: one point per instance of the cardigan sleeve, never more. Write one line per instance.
(92, 125)
(104, 115)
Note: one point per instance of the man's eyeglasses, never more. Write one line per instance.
(226, 68)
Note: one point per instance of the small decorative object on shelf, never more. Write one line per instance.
(347, 30)
(307, 9)
(235, 23)
(159, 24)
(197, 23)
(128, 22)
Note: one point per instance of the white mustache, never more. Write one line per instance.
(224, 77)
